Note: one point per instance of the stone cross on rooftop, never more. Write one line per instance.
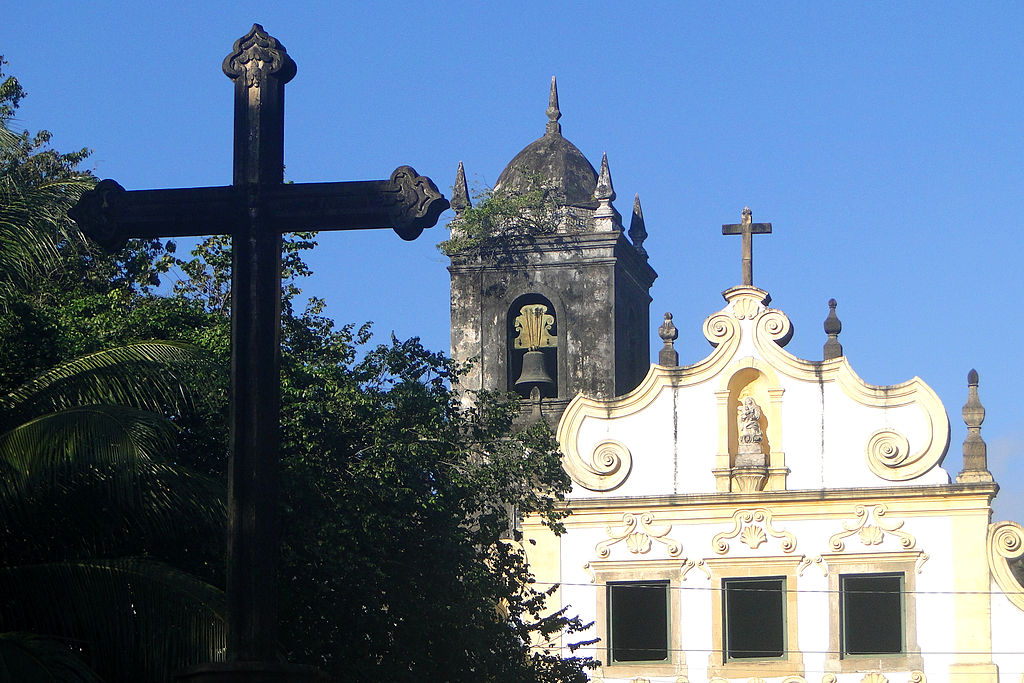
(255, 209)
(747, 230)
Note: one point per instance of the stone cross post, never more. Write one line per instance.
(255, 210)
(747, 230)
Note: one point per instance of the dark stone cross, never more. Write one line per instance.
(747, 230)
(255, 210)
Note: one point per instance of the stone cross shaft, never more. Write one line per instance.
(747, 230)
(255, 210)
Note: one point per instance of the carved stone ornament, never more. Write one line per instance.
(98, 214)
(917, 677)
(689, 564)
(638, 531)
(413, 202)
(887, 451)
(257, 55)
(667, 331)
(874, 677)
(533, 325)
(607, 467)
(746, 308)
(1005, 545)
(829, 678)
(753, 527)
(871, 534)
(806, 562)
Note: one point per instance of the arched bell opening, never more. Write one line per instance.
(532, 346)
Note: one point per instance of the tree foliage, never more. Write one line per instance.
(501, 218)
(92, 509)
(400, 557)
(400, 560)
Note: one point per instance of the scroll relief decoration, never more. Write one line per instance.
(1005, 546)
(871, 533)
(753, 527)
(889, 457)
(773, 325)
(638, 531)
(721, 328)
(607, 468)
(806, 562)
(689, 564)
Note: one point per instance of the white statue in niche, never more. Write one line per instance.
(749, 453)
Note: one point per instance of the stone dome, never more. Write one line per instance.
(555, 161)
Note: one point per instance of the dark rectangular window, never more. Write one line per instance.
(872, 613)
(638, 621)
(754, 617)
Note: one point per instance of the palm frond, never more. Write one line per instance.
(148, 375)
(55, 447)
(34, 222)
(105, 461)
(31, 657)
(135, 619)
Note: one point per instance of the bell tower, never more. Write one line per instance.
(555, 301)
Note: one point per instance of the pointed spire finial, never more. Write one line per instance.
(833, 349)
(460, 192)
(604, 189)
(668, 333)
(975, 452)
(637, 227)
(553, 112)
(604, 193)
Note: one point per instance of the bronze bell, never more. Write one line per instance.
(534, 370)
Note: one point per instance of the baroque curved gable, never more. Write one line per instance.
(818, 424)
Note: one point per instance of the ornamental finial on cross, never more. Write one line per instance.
(747, 230)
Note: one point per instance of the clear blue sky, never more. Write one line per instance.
(884, 141)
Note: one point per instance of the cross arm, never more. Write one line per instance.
(407, 202)
(110, 215)
(740, 228)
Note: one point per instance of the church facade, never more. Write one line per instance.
(752, 516)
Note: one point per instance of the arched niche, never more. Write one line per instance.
(748, 382)
(750, 379)
(550, 337)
